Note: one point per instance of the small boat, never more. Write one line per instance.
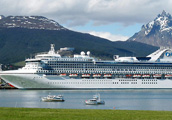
(94, 101)
(53, 98)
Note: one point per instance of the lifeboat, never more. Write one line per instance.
(85, 75)
(168, 76)
(129, 75)
(157, 75)
(96, 75)
(73, 75)
(137, 75)
(146, 75)
(107, 75)
(63, 74)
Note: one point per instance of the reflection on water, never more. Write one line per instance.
(129, 99)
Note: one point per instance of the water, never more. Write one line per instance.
(121, 99)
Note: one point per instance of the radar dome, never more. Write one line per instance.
(88, 53)
(82, 53)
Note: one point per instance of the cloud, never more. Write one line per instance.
(109, 36)
(81, 12)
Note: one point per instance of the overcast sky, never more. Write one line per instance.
(112, 19)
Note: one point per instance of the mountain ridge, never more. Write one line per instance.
(18, 42)
(157, 32)
(30, 22)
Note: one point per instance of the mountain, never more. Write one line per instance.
(19, 41)
(30, 22)
(157, 32)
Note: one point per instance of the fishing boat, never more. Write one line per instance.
(53, 98)
(95, 100)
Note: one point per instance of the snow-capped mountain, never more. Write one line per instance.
(157, 32)
(21, 36)
(30, 22)
(1, 16)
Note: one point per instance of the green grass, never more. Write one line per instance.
(81, 114)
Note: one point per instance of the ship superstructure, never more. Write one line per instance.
(52, 71)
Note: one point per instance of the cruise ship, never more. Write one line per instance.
(50, 70)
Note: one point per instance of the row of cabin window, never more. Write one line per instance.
(95, 66)
(82, 82)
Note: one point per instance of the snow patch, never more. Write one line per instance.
(149, 27)
(162, 21)
(32, 22)
(167, 29)
(31, 17)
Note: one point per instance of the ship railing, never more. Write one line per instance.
(41, 53)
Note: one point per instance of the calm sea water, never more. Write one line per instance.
(121, 99)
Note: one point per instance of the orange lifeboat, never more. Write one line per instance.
(157, 75)
(63, 74)
(137, 75)
(73, 75)
(107, 75)
(146, 75)
(85, 75)
(129, 75)
(168, 76)
(96, 75)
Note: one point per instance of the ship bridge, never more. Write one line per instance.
(161, 55)
(50, 54)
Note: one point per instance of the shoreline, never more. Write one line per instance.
(84, 114)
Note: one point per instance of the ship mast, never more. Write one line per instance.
(52, 50)
(0, 67)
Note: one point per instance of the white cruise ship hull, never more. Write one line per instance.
(35, 81)
(50, 70)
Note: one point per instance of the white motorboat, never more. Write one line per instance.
(94, 101)
(53, 98)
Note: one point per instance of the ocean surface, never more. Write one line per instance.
(120, 99)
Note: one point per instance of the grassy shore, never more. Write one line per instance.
(81, 114)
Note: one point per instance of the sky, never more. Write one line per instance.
(112, 19)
